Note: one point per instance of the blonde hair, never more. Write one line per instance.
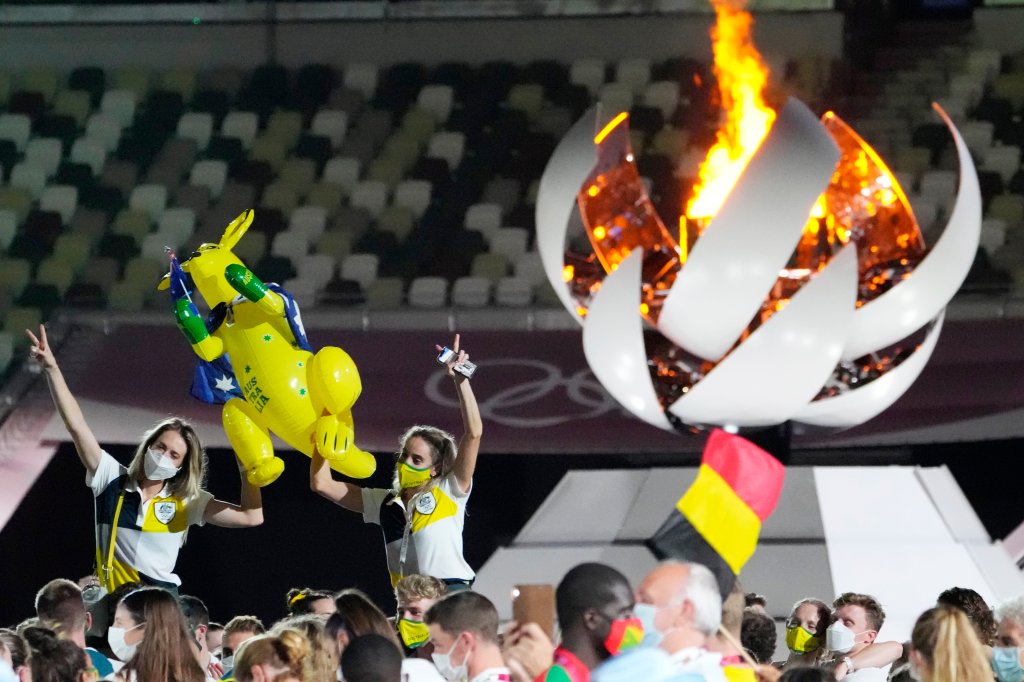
(413, 587)
(287, 648)
(949, 644)
(320, 663)
(188, 482)
(442, 451)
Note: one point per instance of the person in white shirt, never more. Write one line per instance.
(144, 510)
(422, 515)
(857, 618)
(464, 631)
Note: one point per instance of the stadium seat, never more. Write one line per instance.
(471, 292)
(428, 292)
(447, 145)
(196, 126)
(332, 124)
(91, 152)
(45, 153)
(62, 199)
(309, 221)
(75, 104)
(242, 125)
(120, 106)
(29, 177)
(361, 77)
(104, 128)
(361, 268)
(151, 199)
(513, 292)
(437, 99)
(414, 195)
(210, 174)
(371, 195)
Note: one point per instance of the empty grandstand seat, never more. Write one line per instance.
(61, 199)
(74, 104)
(119, 105)
(332, 124)
(8, 226)
(298, 174)
(16, 199)
(151, 199)
(91, 152)
(590, 73)
(318, 268)
(371, 195)
(428, 292)
(280, 196)
(196, 126)
(45, 153)
(211, 174)
(179, 222)
(342, 171)
(493, 266)
(309, 221)
(513, 292)
(396, 220)
(290, 245)
(993, 235)
(471, 292)
(437, 99)
(361, 268)
(527, 98)
(105, 129)
(484, 218)
(326, 196)
(242, 125)
(511, 242)
(385, 293)
(29, 177)
(447, 145)
(1004, 160)
(361, 77)
(414, 195)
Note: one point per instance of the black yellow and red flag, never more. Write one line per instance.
(718, 520)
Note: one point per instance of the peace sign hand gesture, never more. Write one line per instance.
(40, 350)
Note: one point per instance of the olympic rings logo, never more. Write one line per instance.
(580, 389)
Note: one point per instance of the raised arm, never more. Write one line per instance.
(88, 448)
(246, 514)
(472, 423)
(340, 493)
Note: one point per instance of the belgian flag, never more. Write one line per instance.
(718, 520)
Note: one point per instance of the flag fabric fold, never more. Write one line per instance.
(718, 519)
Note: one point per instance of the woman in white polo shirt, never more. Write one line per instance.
(422, 515)
(144, 510)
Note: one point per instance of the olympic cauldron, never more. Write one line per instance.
(809, 295)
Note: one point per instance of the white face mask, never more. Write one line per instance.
(443, 663)
(840, 638)
(158, 466)
(121, 649)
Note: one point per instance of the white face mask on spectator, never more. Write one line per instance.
(121, 649)
(159, 466)
(840, 638)
(443, 663)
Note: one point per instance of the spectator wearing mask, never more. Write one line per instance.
(464, 632)
(144, 510)
(55, 659)
(305, 601)
(423, 514)
(1010, 619)
(805, 631)
(236, 632)
(274, 658)
(680, 608)
(857, 619)
(17, 654)
(60, 607)
(151, 636)
(945, 648)
(757, 634)
(372, 658)
(215, 638)
(415, 595)
(198, 618)
(595, 612)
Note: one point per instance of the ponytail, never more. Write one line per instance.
(949, 645)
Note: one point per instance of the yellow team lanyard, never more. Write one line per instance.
(108, 567)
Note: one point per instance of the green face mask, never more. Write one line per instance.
(411, 477)
(800, 640)
(414, 632)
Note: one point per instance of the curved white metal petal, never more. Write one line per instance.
(861, 404)
(568, 167)
(736, 260)
(783, 364)
(911, 303)
(613, 342)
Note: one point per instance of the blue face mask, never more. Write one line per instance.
(647, 613)
(1006, 664)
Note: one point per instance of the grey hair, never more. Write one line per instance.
(701, 590)
(1012, 610)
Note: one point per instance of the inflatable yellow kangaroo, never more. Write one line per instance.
(305, 399)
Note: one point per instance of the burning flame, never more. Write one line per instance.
(742, 77)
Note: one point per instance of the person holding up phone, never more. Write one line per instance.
(422, 515)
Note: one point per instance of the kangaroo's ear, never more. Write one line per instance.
(236, 228)
(165, 283)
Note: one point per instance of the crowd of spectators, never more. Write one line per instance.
(672, 624)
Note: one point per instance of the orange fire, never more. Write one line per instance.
(742, 77)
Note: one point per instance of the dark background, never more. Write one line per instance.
(307, 541)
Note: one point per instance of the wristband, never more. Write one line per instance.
(849, 664)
